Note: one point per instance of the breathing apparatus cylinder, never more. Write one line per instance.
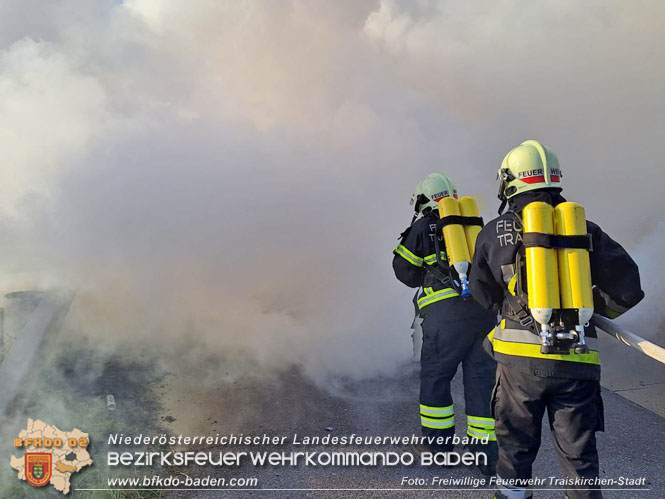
(456, 245)
(469, 208)
(574, 265)
(541, 268)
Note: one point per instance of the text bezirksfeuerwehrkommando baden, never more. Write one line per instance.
(228, 457)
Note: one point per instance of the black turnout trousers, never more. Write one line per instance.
(575, 413)
(453, 332)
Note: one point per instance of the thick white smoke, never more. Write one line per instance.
(237, 173)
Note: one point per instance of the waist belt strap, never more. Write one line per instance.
(520, 312)
(446, 280)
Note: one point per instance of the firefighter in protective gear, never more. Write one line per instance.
(453, 328)
(529, 382)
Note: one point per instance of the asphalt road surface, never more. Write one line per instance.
(632, 446)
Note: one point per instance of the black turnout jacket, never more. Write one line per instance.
(614, 274)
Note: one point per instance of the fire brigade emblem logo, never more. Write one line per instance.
(38, 468)
(66, 454)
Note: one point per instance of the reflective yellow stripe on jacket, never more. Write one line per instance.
(413, 259)
(429, 296)
(408, 256)
(523, 343)
(431, 259)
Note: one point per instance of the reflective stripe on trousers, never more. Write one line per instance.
(437, 417)
(478, 427)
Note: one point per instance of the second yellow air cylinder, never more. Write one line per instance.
(574, 265)
(469, 208)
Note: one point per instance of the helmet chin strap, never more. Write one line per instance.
(502, 195)
(504, 177)
(420, 200)
(503, 204)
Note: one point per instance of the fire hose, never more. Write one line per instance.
(631, 339)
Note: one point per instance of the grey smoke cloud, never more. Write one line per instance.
(242, 169)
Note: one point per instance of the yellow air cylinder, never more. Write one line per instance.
(469, 208)
(541, 264)
(455, 237)
(574, 266)
(454, 234)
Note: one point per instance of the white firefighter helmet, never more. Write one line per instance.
(529, 166)
(430, 190)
